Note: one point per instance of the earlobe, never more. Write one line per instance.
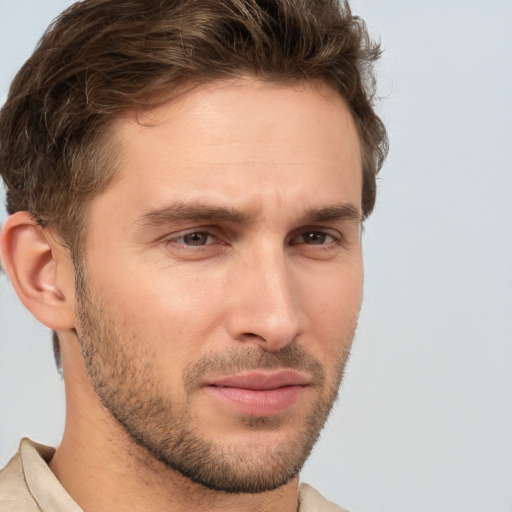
(40, 271)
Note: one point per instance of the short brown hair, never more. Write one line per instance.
(101, 58)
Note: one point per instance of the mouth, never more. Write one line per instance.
(259, 393)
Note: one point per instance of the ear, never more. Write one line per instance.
(40, 270)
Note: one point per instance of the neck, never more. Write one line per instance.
(129, 482)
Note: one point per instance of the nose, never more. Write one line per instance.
(265, 306)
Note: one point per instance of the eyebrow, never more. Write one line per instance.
(179, 211)
(194, 211)
(333, 213)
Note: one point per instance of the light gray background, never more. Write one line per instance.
(424, 421)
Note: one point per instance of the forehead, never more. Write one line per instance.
(231, 103)
(227, 138)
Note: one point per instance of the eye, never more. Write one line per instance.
(195, 239)
(195, 245)
(314, 238)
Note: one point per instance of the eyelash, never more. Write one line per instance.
(322, 234)
(183, 236)
(334, 239)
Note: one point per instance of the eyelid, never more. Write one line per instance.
(337, 236)
(217, 239)
(181, 234)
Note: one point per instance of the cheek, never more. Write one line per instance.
(335, 291)
(175, 310)
(332, 310)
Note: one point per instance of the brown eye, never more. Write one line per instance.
(194, 239)
(315, 238)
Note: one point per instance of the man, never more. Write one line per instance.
(186, 183)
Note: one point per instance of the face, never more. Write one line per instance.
(223, 279)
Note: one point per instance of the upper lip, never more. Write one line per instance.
(261, 380)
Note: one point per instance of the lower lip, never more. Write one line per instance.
(255, 402)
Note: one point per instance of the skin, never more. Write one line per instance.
(177, 299)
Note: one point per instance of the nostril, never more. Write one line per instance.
(249, 336)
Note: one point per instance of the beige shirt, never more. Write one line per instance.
(28, 485)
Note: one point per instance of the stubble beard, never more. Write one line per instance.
(124, 380)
